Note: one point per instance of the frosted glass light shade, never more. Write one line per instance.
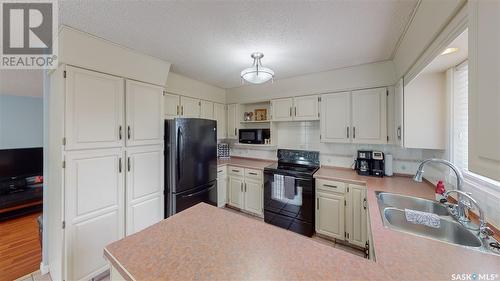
(257, 74)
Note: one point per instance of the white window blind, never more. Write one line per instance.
(460, 116)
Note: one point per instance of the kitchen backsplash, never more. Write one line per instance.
(305, 135)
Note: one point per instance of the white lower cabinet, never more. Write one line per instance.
(253, 196)
(144, 187)
(330, 214)
(341, 211)
(356, 225)
(221, 186)
(236, 192)
(246, 189)
(94, 209)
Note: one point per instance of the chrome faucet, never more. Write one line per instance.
(484, 230)
(462, 217)
(420, 170)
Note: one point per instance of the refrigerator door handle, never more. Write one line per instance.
(199, 192)
(179, 152)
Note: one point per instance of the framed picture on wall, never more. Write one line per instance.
(261, 114)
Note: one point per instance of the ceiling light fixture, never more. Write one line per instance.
(449, 51)
(257, 74)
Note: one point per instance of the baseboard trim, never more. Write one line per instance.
(44, 268)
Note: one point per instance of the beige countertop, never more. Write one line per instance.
(242, 162)
(205, 242)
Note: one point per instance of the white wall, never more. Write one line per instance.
(185, 86)
(424, 114)
(355, 77)
(21, 122)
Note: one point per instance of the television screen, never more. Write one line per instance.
(21, 162)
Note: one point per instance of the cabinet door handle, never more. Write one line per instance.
(290, 112)
(120, 132)
(251, 173)
(347, 129)
(235, 133)
(399, 133)
(120, 165)
(241, 187)
(182, 109)
(128, 132)
(353, 132)
(328, 185)
(295, 111)
(364, 203)
(317, 203)
(245, 187)
(128, 164)
(177, 109)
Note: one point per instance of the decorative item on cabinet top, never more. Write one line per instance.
(261, 114)
(248, 116)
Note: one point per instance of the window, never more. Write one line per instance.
(460, 126)
(460, 116)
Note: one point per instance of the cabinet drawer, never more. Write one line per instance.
(253, 174)
(221, 171)
(236, 171)
(331, 186)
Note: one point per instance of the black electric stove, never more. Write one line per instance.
(289, 190)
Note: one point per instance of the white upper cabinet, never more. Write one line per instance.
(306, 108)
(282, 109)
(190, 107)
(220, 116)
(144, 113)
(171, 105)
(298, 108)
(206, 109)
(232, 121)
(425, 93)
(94, 109)
(358, 117)
(484, 88)
(369, 116)
(144, 196)
(398, 112)
(335, 117)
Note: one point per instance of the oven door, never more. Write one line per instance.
(295, 213)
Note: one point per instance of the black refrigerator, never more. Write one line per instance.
(190, 163)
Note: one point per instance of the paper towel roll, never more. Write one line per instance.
(388, 165)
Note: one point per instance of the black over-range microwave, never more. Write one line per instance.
(254, 136)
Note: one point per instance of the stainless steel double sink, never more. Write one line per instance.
(392, 209)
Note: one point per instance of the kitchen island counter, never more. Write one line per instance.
(205, 242)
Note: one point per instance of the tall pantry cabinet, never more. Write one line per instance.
(112, 165)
